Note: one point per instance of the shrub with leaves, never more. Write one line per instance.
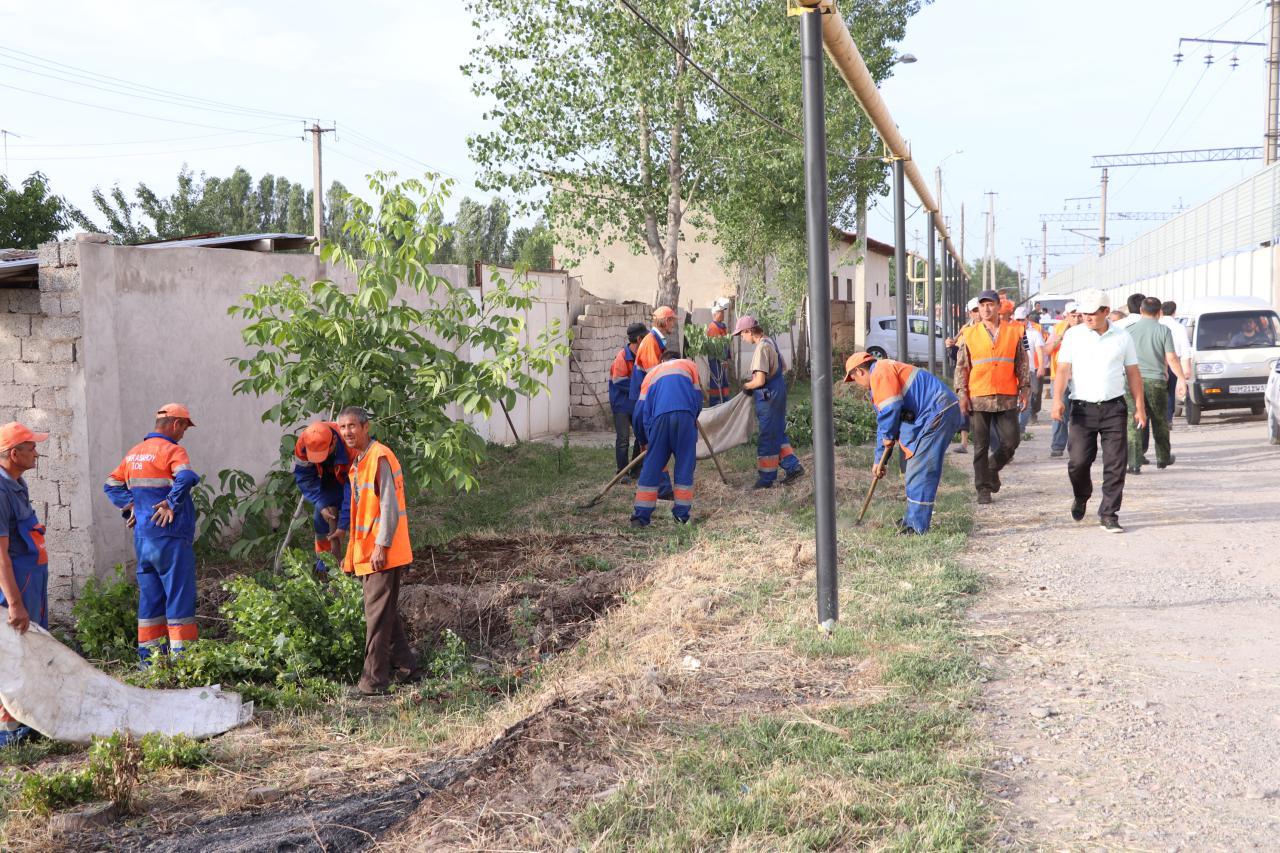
(106, 617)
(44, 792)
(855, 421)
(113, 766)
(160, 751)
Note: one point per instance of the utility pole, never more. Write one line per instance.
(1044, 253)
(1102, 225)
(317, 199)
(991, 240)
(5, 134)
(817, 234)
(1271, 141)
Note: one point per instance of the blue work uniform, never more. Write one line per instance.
(323, 486)
(773, 447)
(18, 521)
(718, 368)
(914, 408)
(666, 420)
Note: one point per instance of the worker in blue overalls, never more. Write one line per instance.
(666, 422)
(768, 386)
(916, 410)
(718, 366)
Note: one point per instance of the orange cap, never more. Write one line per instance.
(175, 410)
(856, 360)
(13, 434)
(663, 313)
(1006, 307)
(317, 440)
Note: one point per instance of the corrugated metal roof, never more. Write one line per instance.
(20, 270)
(267, 242)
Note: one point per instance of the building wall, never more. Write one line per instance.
(598, 334)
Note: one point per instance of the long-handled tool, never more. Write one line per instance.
(884, 460)
(617, 477)
(714, 458)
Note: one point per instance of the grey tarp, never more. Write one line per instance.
(727, 425)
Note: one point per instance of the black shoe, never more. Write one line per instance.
(1111, 524)
(984, 497)
(908, 531)
(995, 481)
(1133, 469)
(1077, 510)
(1055, 454)
(761, 485)
(1167, 462)
(635, 522)
(680, 520)
(792, 476)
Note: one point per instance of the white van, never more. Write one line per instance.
(1235, 344)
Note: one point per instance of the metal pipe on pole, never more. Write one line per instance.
(1271, 139)
(1102, 225)
(930, 297)
(946, 308)
(817, 234)
(900, 256)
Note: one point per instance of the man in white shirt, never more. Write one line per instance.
(1100, 361)
(1181, 348)
(1134, 305)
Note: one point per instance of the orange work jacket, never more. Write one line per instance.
(1059, 329)
(366, 512)
(993, 363)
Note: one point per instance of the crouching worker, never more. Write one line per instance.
(321, 474)
(915, 409)
(152, 486)
(24, 566)
(666, 423)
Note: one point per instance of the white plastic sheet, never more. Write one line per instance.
(49, 687)
(727, 425)
(1273, 406)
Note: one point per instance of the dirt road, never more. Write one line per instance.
(1134, 693)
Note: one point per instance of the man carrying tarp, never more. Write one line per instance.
(915, 409)
(718, 367)
(321, 474)
(24, 565)
(666, 423)
(152, 486)
(768, 386)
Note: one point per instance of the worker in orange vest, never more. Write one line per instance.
(1070, 317)
(320, 471)
(718, 368)
(993, 383)
(649, 356)
(378, 552)
(666, 422)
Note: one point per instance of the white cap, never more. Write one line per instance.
(1070, 308)
(1020, 313)
(720, 304)
(973, 304)
(1091, 301)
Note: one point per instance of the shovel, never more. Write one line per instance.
(614, 481)
(884, 460)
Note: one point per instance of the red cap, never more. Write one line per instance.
(175, 410)
(13, 434)
(663, 313)
(317, 441)
(856, 360)
(745, 324)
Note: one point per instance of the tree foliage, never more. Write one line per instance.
(1007, 278)
(480, 233)
(414, 349)
(31, 214)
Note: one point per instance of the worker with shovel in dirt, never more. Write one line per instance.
(24, 565)
(768, 385)
(666, 422)
(915, 409)
(320, 471)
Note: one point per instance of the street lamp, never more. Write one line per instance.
(905, 58)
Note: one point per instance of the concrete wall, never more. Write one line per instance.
(598, 334)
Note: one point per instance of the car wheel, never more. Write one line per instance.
(876, 352)
(1260, 409)
(1192, 412)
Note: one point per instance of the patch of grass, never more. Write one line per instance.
(31, 752)
(766, 783)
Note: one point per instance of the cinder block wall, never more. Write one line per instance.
(599, 332)
(42, 385)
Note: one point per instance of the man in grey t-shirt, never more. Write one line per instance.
(1156, 356)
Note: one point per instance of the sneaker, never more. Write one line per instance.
(639, 522)
(1111, 524)
(680, 520)
(1055, 454)
(984, 497)
(760, 484)
(1077, 510)
(792, 476)
(1167, 462)
(1133, 469)
(961, 449)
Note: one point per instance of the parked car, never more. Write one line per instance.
(882, 338)
(1235, 346)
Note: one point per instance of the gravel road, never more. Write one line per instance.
(1134, 692)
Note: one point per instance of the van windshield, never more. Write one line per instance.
(1237, 330)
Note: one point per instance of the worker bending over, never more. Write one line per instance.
(915, 409)
(718, 367)
(666, 422)
(152, 486)
(321, 474)
(768, 386)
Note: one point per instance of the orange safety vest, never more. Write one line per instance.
(1059, 329)
(366, 511)
(993, 363)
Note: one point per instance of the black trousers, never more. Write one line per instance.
(985, 462)
(622, 436)
(386, 648)
(1107, 421)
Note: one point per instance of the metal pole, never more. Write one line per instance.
(930, 296)
(1271, 142)
(817, 233)
(946, 304)
(1044, 254)
(900, 255)
(1102, 225)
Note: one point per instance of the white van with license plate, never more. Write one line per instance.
(1235, 345)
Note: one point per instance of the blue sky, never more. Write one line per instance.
(1027, 90)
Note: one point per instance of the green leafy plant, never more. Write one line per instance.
(697, 343)
(106, 614)
(113, 766)
(245, 507)
(855, 421)
(160, 751)
(450, 658)
(43, 792)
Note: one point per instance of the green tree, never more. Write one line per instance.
(1007, 278)
(400, 357)
(533, 247)
(31, 215)
(119, 213)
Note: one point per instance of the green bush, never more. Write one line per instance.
(159, 751)
(855, 421)
(44, 792)
(106, 616)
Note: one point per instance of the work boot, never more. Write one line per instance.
(793, 475)
(639, 522)
(761, 484)
(984, 497)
